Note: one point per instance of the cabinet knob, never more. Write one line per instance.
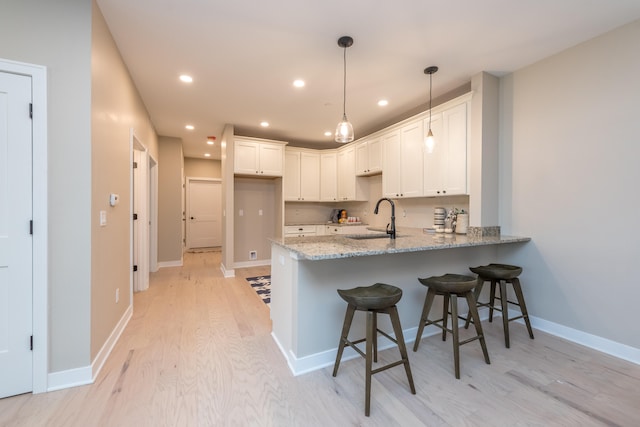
(444, 191)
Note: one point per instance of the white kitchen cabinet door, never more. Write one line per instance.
(402, 173)
(455, 174)
(347, 173)
(391, 165)
(246, 157)
(291, 177)
(369, 157)
(411, 161)
(271, 159)
(446, 167)
(329, 176)
(309, 176)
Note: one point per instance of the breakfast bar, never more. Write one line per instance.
(306, 311)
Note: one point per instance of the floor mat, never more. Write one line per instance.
(262, 286)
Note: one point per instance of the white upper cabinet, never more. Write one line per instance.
(402, 173)
(301, 180)
(329, 176)
(445, 171)
(369, 157)
(258, 157)
(350, 187)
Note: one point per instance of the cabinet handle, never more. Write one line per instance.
(444, 191)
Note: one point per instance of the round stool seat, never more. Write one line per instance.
(450, 283)
(372, 297)
(497, 271)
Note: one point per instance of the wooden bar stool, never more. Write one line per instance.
(378, 298)
(501, 274)
(451, 286)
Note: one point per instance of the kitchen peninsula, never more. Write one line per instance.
(307, 312)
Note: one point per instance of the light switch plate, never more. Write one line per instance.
(103, 218)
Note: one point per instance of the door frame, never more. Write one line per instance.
(187, 207)
(40, 310)
(148, 252)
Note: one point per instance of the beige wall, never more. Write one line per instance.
(116, 109)
(58, 36)
(170, 175)
(252, 230)
(569, 179)
(202, 168)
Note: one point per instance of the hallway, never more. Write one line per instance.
(198, 352)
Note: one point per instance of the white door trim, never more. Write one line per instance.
(153, 214)
(38, 76)
(135, 144)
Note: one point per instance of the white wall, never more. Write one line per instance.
(569, 178)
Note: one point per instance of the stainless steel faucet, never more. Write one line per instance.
(391, 227)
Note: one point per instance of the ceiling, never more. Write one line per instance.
(244, 56)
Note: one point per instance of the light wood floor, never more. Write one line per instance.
(198, 352)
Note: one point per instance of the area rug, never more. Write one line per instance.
(262, 286)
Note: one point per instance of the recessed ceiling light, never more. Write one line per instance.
(264, 124)
(209, 141)
(383, 103)
(189, 127)
(185, 78)
(207, 155)
(328, 133)
(298, 83)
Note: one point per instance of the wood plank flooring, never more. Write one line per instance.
(198, 352)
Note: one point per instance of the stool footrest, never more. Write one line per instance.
(385, 367)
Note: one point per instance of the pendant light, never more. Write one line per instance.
(344, 130)
(429, 141)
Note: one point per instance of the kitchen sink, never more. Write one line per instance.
(368, 236)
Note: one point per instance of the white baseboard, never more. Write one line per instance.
(107, 347)
(87, 374)
(612, 348)
(257, 263)
(69, 378)
(227, 273)
(176, 263)
(313, 362)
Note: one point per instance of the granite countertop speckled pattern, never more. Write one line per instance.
(407, 240)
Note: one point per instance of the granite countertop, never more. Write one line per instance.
(407, 240)
(337, 224)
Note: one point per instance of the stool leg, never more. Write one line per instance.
(397, 329)
(370, 333)
(492, 299)
(375, 336)
(456, 338)
(348, 318)
(473, 309)
(423, 319)
(445, 315)
(476, 295)
(505, 311)
(523, 307)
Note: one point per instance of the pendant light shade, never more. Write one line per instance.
(344, 130)
(429, 141)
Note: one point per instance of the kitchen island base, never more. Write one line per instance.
(307, 312)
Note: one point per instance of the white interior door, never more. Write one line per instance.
(204, 214)
(16, 283)
(140, 217)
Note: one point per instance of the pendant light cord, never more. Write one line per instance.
(344, 84)
(430, 79)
